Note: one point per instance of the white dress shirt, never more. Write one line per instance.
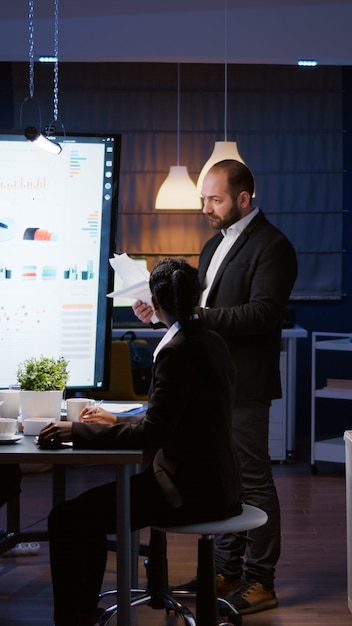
(166, 338)
(230, 235)
(169, 335)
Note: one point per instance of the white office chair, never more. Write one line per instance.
(159, 596)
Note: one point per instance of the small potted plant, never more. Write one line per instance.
(42, 382)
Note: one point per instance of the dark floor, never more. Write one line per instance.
(311, 576)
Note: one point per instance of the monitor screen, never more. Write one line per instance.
(57, 232)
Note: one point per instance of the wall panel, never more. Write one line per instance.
(286, 120)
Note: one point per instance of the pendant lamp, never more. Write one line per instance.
(222, 149)
(32, 132)
(178, 191)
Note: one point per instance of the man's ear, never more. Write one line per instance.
(244, 199)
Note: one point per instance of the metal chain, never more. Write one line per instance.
(178, 113)
(31, 47)
(56, 63)
(225, 71)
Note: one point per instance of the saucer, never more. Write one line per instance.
(8, 440)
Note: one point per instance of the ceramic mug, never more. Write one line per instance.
(10, 406)
(75, 405)
(8, 427)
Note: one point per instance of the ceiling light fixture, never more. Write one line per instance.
(178, 191)
(47, 59)
(222, 149)
(33, 133)
(307, 63)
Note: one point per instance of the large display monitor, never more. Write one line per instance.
(57, 233)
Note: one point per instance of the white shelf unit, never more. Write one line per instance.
(328, 449)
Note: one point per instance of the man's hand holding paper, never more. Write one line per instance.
(134, 280)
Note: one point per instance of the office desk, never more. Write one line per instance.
(25, 451)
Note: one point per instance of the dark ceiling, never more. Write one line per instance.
(258, 31)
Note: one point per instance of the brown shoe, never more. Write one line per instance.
(223, 587)
(252, 597)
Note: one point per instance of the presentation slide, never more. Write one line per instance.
(56, 216)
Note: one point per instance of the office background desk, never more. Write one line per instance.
(25, 451)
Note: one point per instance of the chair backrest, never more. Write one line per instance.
(121, 382)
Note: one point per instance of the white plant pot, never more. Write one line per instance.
(41, 404)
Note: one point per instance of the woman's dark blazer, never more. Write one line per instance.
(247, 301)
(188, 425)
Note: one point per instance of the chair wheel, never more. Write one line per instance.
(108, 618)
(236, 619)
(232, 614)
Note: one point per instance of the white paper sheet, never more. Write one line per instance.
(116, 407)
(134, 279)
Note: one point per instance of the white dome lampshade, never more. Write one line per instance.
(222, 150)
(178, 191)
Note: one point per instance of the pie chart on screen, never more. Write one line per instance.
(38, 234)
(7, 228)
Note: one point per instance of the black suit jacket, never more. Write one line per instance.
(247, 301)
(188, 427)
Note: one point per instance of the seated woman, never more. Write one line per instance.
(10, 480)
(193, 475)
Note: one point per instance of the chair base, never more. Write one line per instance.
(159, 596)
(171, 605)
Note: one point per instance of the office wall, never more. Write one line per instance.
(292, 129)
(288, 126)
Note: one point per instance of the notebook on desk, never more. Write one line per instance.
(124, 409)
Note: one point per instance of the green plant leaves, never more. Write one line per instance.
(43, 374)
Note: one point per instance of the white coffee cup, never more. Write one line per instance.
(10, 406)
(75, 405)
(8, 427)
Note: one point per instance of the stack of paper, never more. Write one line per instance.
(118, 408)
(134, 279)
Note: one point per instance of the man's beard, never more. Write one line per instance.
(219, 223)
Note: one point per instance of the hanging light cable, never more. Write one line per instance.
(32, 132)
(222, 149)
(178, 191)
(52, 127)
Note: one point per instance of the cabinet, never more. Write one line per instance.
(277, 418)
(348, 450)
(334, 388)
